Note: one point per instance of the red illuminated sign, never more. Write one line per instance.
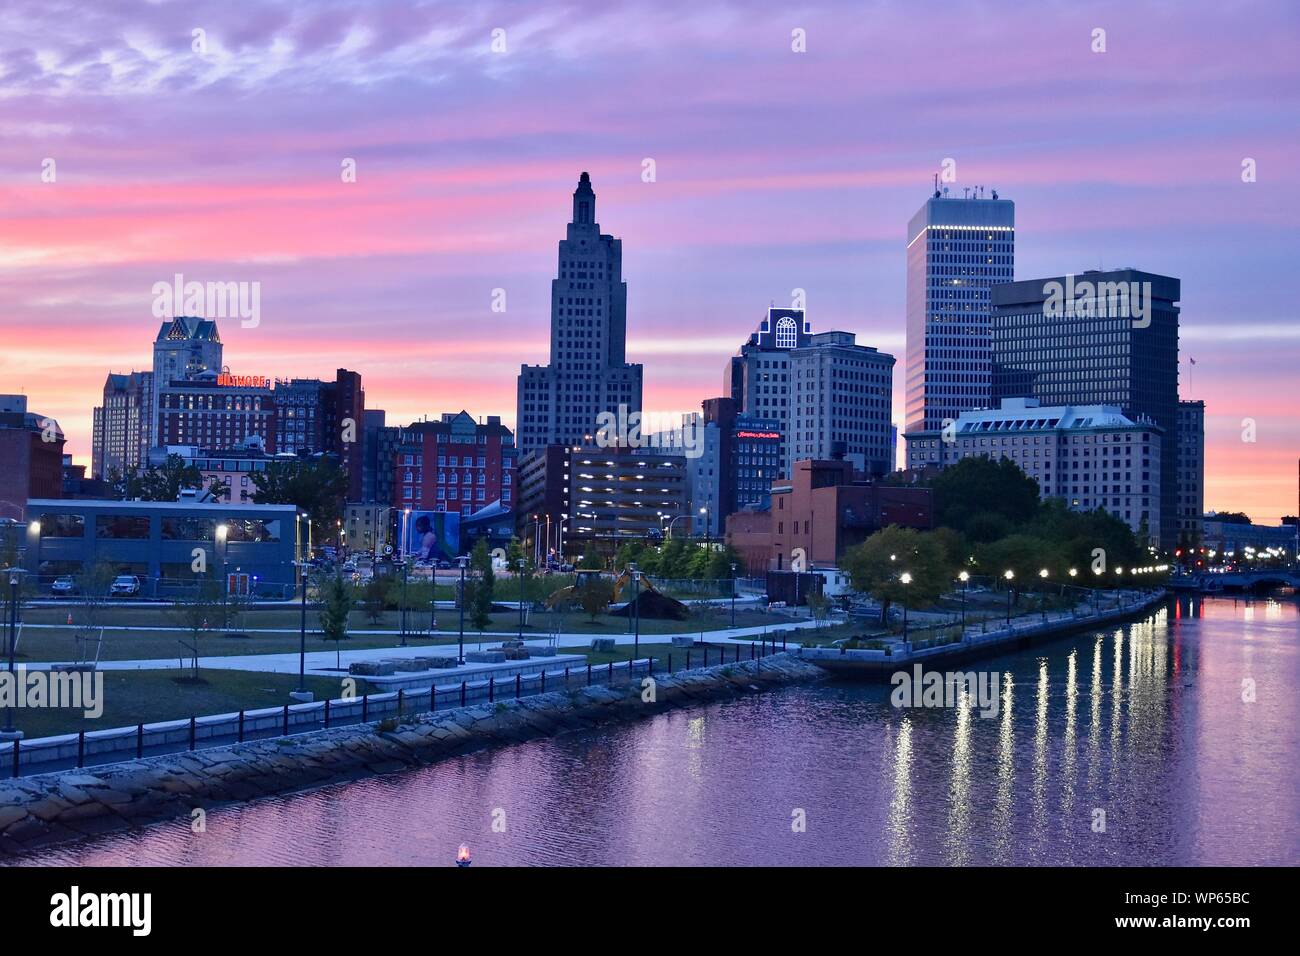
(775, 435)
(226, 380)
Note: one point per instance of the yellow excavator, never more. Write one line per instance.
(652, 601)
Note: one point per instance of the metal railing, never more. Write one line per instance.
(89, 748)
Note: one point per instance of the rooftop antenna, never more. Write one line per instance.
(936, 185)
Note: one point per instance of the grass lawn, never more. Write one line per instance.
(42, 644)
(134, 696)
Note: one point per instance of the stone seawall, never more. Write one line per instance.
(53, 808)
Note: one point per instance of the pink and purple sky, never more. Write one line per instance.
(776, 170)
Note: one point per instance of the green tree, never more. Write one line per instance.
(335, 606)
(595, 595)
(316, 487)
(1025, 555)
(480, 594)
(979, 485)
(876, 567)
(165, 482)
(374, 599)
(591, 559)
(199, 613)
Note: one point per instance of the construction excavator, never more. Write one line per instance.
(649, 599)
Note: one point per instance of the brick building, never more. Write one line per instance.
(823, 509)
(31, 457)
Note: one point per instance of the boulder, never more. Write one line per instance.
(372, 668)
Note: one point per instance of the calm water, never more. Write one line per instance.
(1145, 721)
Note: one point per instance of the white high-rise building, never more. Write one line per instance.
(956, 250)
(1092, 456)
(588, 373)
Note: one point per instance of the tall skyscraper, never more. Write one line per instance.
(1098, 338)
(1190, 492)
(758, 376)
(957, 249)
(842, 403)
(588, 372)
(830, 396)
(121, 434)
(185, 348)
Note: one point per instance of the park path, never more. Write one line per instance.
(326, 662)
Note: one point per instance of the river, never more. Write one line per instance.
(1171, 740)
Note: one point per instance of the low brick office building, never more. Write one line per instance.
(825, 508)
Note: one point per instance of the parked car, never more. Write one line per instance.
(125, 585)
(63, 585)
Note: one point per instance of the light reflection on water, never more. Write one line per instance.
(1145, 722)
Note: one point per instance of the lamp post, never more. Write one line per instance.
(965, 582)
(636, 611)
(905, 579)
(222, 531)
(301, 693)
(521, 564)
(708, 519)
(405, 569)
(1010, 576)
(463, 561)
(1042, 595)
(36, 530)
(733, 595)
(9, 733)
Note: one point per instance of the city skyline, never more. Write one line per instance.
(394, 274)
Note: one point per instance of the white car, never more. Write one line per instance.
(125, 585)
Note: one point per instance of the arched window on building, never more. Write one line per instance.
(787, 333)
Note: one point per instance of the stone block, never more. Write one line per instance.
(371, 668)
(485, 657)
(602, 645)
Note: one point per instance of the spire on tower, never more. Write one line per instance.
(584, 202)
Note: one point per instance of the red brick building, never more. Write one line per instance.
(822, 510)
(454, 465)
(30, 465)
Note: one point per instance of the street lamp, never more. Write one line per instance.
(708, 517)
(9, 732)
(1042, 595)
(222, 531)
(463, 561)
(405, 569)
(964, 577)
(733, 595)
(1010, 576)
(906, 579)
(521, 564)
(302, 637)
(636, 611)
(36, 530)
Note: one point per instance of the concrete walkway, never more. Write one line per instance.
(325, 663)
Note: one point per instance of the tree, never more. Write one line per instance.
(591, 559)
(93, 585)
(977, 486)
(336, 605)
(595, 595)
(876, 567)
(1232, 517)
(819, 605)
(199, 613)
(1025, 555)
(165, 482)
(480, 592)
(719, 564)
(375, 599)
(316, 487)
